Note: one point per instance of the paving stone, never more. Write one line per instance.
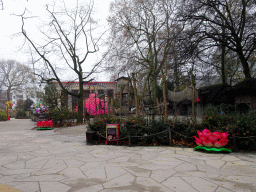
(168, 163)
(186, 167)
(215, 163)
(37, 162)
(8, 159)
(222, 189)
(72, 172)
(52, 170)
(231, 185)
(13, 178)
(25, 186)
(200, 184)
(25, 157)
(214, 170)
(73, 162)
(63, 163)
(96, 172)
(206, 158)
(240, 163)
(247, 158)
(91, 165)
(156, 167)
(248, 170)
(192, 160)
(132, 155)
(230, 158)
(197, 173)
(124, 180)
(93, 188)
(120, 159)
(120, 190)
(138, 172)
(122, 164)
(15, 165)
(113, 172)
(49, 178)
(151, 185)
(54, 163)
(139, 161)
(53, 187)
(161, 175)
(17, 171)
(169, 157)
(148, 156)
(178, 184)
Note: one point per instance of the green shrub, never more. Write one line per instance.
(239, 125)
(62, 117)
(99, 123)
(138, 128)
(21, 115)
(3, 116)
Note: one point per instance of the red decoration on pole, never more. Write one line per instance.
(7, 111)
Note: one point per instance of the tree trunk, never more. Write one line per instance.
(176, 74)
(245, 64)
(80, 101)
(223, 75)
(135, 94)
(223, 51)
(193, 95)
(165, 96)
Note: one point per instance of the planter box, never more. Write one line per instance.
(92, 137)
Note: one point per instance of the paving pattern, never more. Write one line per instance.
(45, 161)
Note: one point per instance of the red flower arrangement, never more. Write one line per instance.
(208, 139)
(44, 123)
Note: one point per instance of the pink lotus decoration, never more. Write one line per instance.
(44, 123)
(208, 139)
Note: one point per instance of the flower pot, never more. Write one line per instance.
(92, 137)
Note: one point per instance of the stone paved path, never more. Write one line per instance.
(45, 161)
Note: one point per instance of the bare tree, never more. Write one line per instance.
(142, 34)
(70, 39)
(14, 76)
(225, 23)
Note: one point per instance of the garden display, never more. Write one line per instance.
(39, 109)
(212, 142)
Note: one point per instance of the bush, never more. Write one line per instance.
(62, 117)
(3, 116)
(239, 125)
(21, 115)
(137, 127)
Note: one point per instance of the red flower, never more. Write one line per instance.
(207, 143)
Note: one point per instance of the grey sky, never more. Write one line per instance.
(11, 41)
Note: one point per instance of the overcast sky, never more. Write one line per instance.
(11, 40)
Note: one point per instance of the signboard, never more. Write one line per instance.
(112, 132)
